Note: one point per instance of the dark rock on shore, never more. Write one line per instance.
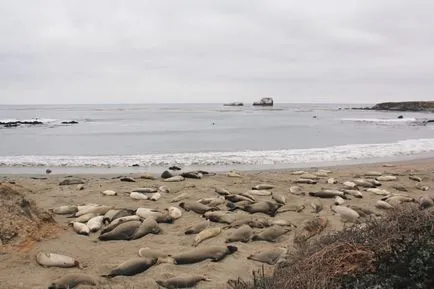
(166, 175)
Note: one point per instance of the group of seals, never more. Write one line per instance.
(227, 213)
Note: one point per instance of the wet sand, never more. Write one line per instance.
(18, 268)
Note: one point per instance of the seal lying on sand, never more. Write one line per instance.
(270, 257)
(186, 281)
(123, 231)
(215, 253)
(72, 280)
(132, 267)
(55, 260)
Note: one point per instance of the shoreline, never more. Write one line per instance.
(104, 171)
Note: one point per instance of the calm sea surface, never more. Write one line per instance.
(208, 135)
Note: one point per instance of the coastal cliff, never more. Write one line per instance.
(405, 106)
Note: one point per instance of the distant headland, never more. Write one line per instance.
(425, 106)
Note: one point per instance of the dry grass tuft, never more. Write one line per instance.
(358, 250)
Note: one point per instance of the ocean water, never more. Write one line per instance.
(208, 136)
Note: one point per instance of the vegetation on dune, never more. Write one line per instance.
(396, 251)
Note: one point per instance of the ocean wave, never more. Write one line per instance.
(276, 157)
(382, 120)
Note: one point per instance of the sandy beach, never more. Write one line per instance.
(18, 268)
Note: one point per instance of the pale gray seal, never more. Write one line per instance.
(196, 228)
(270, 234)
(196, 207)
(56, 260)
(206, 234)
(242, 234)
(270, 257)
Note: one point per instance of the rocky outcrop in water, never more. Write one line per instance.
(266, 101)
(405, 106)
(233, 104)
(18, 123)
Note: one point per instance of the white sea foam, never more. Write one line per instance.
(382, 120)
(277, 157)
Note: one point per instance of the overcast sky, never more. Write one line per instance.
(216, 51)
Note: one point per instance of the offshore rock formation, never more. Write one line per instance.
(406, 106)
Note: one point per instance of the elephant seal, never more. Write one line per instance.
(138, 196)
(155, 196)
(186, 281)
(99, 210)
(339, 201)
(95, 223)
(116, 223)
(109, 193)
(192, 175)
(212, 202)
(252, 222)
(222, 191)
(223, 217)
(70, 281)
(386, 178)
(263, 187)
(306, 181)
(278, 198)
(262, 193)
(123, 231)
(148, 226)
(56, 260)
(164, 189)
(174, 212)
(196, 228)
(354, 193)
(64, 210)
(85, 218)
(267, 207)
(380, 192)
(215, 253)
(132, 267)
(196, 207)
(242, 234)
(150, 253)
(349, 185)
(270, 257)
(145, 190)
(180, 197)
(332, 181)
(383, 205)
(316, 206)
(235, 198)
(270, 234)
(415, 178)
(174, 179)
(347, 214)
(206, 234)
(364, 183)
(160, 217)
(425, 202)
(81, 229)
